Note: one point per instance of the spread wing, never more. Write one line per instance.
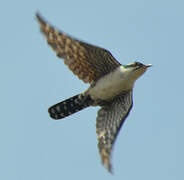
(86, 61)
(109, 121)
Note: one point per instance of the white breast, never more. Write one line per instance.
(111, 85)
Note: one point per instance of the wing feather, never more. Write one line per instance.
(86, 61)
(109, 121)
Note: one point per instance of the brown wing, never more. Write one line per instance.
(109, 121)
(86, 61)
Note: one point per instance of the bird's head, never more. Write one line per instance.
(136, 69)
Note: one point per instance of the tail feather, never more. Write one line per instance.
(69, 106)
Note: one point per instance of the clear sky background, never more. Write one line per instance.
(150, 144)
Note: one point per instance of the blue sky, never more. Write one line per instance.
(150, 144)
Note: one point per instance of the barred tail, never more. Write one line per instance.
(69, 106)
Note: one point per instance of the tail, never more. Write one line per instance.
(69, 106)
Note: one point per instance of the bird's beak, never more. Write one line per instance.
(148, 65)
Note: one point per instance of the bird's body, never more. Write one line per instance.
(111, 85)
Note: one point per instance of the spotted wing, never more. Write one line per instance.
(86, 61)
(109, 121)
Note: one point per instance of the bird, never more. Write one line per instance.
(111, 85)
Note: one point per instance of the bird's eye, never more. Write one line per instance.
(137, 64)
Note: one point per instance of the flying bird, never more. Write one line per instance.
(111, 85)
